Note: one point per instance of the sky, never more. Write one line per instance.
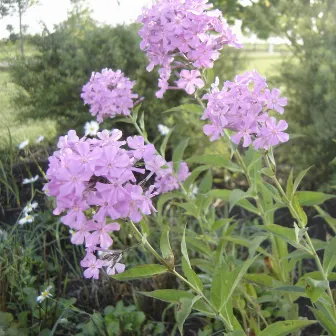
(52, 12)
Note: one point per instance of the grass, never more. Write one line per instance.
(11, 118)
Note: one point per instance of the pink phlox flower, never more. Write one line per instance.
(73, 179)
(100, 234)
(112, 162)
(115, 269)
(92, 265)
(141, 151)
(82, 233)
(246, 131)
(274, 101)
(189, 80)
(157, 165)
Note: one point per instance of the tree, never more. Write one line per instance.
(8, 7)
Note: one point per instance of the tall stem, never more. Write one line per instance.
(290, 206)
(171, 269)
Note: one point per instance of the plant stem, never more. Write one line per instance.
(289, 204)
(171, 269)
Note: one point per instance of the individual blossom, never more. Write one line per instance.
(44, 295)
(30, 180)
(23, 144)
(27, 218)
(92, 265)
(190, 80)
(39, 139)
(30, 207)
(183, 34)
(109, 94)
(164, 130)
(243, 106)
(91, 128)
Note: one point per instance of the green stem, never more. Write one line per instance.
(171, 269)
(200, 221)
(289, 204)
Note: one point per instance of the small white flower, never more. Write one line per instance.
(31, 180)
(39, 139)
(164, 130)
(214, 86)
(26, 219)
(44, 295)
(91, 128)
(30, 207)
(23, 144)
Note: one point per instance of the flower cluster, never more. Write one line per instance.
(183, 34)
(109, 93)
(27, 213)
(243, 106)
(97, 181)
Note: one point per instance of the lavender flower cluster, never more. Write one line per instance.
(182, 34)
(243, 106)
(109, 93)
(94, 181)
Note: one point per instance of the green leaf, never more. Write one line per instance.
(191, 275)
(326, 320)
(218, 224)
(165, 142)
(219, 287)
(169, 295)
(165, 244)
(194, 108)
(209, 76)
(235, 277)
(300, 215)
(225, 195)
(214, 161)
(329, 259)
(290, 186)
(206, 183)
(167, 197)
(178, 154)
(236, 196)
(309, 198)
(290, 289)
(299, 179)
(267, 171)
(184, 250)
(315, 288)
(135, 111)
(193, 176)
(284, 233)
(263, 280)
(183, 310)
(140, 272)
(284, 328)
(5, 319)
(330, 220)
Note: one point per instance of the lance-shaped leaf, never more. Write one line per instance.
(329, 259)
(178, 154)
(284, 328)
(140, 272)
(169, 295)
(183, 310)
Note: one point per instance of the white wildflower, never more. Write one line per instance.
(214, 86)
(27, 218)
(164, 130)
(39, 139)
(23, 144)
(30, 207)
(91, 128)
(44, 295)
(31, 180)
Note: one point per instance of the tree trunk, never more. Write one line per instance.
(21, 32)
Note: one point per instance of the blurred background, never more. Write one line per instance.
(48, 50)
